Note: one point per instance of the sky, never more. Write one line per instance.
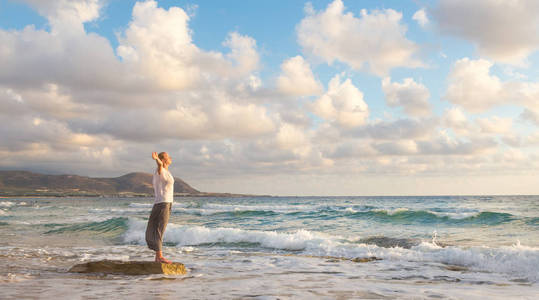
(277, 97)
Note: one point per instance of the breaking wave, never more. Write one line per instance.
(516, 260)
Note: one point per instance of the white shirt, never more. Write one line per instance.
(163, 185)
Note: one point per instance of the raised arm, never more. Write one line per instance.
(155, 156)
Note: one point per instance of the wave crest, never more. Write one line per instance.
(429, 217)
(516, 260)
(114, 225)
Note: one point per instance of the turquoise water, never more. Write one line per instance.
(279, 247)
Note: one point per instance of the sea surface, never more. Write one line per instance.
(465, 247)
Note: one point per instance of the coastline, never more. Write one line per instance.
(18, 184)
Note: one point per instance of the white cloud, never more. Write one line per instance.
(68, 16)
(72, 110)
(234, 119)
(525, 93)
(297, 115)
(11, 102)
(511, 156)
(376, 39)
(32, 58)
(517, 140)
(158, 44)
(473, 87)
(35, 132)
(83, 10)
(446, 145)
(412, 96)
(401, 147)
(242, 52)
(54, 74)
(81, 111)
(297, 79)
(397, 130)
(158, 47)
(342, 103)
(505, 31)
(456, 119)
(420, 17)
(532, 139)
(290, 137)
(216, 118)
(510, 71)
(495, 125)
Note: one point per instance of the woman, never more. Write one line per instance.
(163, 185)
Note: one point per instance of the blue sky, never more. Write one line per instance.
(287, 97)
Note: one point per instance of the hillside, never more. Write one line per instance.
(23, 183)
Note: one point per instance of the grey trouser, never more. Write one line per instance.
(157, 225)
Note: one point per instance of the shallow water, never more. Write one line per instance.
(278, 247)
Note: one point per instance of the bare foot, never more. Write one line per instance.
(162, 260)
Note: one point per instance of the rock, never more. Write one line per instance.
(337, 259)
(129, 268)
(455, 268)
(365, 259)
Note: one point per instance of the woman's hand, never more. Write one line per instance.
(156, 158)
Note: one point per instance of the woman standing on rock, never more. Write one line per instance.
(163, 185)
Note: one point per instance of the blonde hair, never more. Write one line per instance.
(161, 157)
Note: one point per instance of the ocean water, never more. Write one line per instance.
(277, 247)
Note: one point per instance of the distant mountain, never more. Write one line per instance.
(22, 183)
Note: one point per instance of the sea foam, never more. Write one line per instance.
(517, 260)
(6, 204)
(141, 205)
(183, 235)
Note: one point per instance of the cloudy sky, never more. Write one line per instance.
(339, 97)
